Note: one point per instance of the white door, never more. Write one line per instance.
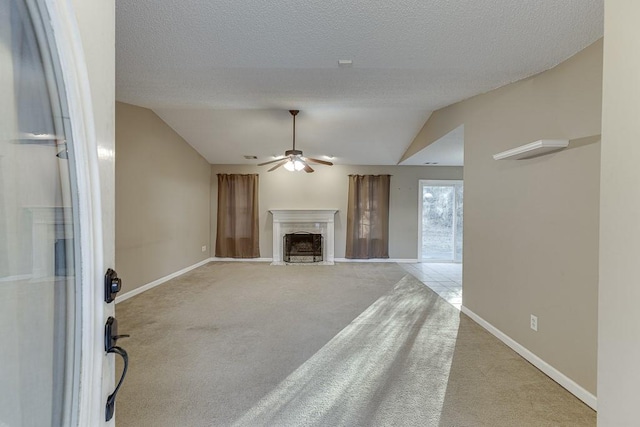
(54, 370)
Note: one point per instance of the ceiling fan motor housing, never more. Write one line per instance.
(293, 153)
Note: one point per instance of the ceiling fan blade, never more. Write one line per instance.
(271, 161)
(282, 162)
(322, 162)
(307, 168)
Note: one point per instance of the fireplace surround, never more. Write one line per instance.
(316, 221)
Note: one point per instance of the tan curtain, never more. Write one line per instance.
(368, 217)
(237, 233)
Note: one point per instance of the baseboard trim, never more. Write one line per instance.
(218, 259)
(398, 260)
(160, 281)
(566, 382)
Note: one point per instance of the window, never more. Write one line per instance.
(441, 220)
(237, 233)
(368, 217)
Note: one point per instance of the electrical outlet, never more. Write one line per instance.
(534, 323)
(204, 248)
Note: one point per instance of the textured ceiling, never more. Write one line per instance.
(224, 73)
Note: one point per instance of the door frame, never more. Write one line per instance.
(433, 182)
(89, 407)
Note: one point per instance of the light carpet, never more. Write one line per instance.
(248, 344)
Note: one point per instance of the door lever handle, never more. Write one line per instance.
(110, 408)
(110, 338)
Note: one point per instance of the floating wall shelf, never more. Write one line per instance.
(533, 149)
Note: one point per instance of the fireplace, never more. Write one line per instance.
(302, 246)
(297, 222)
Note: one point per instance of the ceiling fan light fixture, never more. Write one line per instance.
(295, 165)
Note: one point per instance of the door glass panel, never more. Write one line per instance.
(38, 237)
(458, 224)
(438, 214)
(442, 222)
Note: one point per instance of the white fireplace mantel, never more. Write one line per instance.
(315, 220)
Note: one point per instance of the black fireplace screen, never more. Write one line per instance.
(302, 247)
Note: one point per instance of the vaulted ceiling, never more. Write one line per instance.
(223, 73)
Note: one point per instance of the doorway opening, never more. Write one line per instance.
(440, 221)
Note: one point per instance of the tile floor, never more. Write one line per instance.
(445, 279)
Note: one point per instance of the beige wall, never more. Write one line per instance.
(327, 188)
(162, 199)
(619, 292)
(531, 226)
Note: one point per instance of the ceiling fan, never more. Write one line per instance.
(293, 160)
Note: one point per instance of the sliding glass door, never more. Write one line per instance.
(441, 221)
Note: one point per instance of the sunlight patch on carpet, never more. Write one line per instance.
(390, 366)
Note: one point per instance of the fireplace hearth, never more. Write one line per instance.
(303, 247)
